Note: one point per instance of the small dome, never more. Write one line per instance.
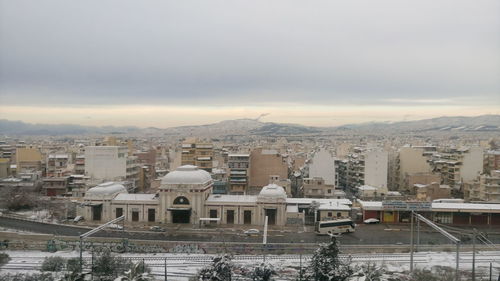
(187, 174)
(273, 191)
(105, 189)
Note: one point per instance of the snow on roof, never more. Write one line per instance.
(239, 155)
(419, 185)
(272, 191)
(187, 174)
(436, 206)
(393, 193)
(220, 198)
(269, 151)
(366, 187)
(466, 206)
(307, 201)
(135, 197)
(105, 189)
(326, 207)
(371, 205)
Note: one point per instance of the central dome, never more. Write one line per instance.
(273, 191)
(187, 174)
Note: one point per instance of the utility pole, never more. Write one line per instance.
(411, 243)
(264, 239)
(418, 234)
(474, 233)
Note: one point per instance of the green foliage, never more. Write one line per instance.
(109, 267)
(4, 258)
(220, 270)
(53, 264)
(263, 272)
(371, 272)
(326, 265)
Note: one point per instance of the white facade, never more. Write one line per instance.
(323, 166)
(106, 162)
(376, 165)
(472, 164)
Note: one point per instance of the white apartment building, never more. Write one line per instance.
(368, 167)
(110, 163)
(322, 165)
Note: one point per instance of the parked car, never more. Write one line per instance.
(115, 226)
(251, 231)
(371, 221)
(157, 229)
(78, 218)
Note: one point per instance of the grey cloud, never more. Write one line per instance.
(232, 52)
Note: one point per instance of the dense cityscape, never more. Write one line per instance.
(249, 140)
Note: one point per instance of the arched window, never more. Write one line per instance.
(181, 200)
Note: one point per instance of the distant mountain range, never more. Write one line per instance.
(483, 123)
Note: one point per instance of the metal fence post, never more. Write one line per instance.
(166, 269)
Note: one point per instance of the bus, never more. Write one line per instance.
(335, 226)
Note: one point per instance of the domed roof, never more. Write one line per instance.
(105, 189)
(187, 174)
(273, 191)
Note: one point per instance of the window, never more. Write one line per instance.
(119, 212)
(247, 217)
(339, 215)
(151, 215)
(330, 214)
(213, 214)
(181, 200)
(329, 191)
(135, 216)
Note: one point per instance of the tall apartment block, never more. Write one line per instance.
(197, 153)
(239, 165)
(109, 163)
(367, 167)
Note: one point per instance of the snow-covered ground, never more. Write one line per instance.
(181, 266)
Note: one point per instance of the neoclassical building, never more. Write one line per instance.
(185, 196)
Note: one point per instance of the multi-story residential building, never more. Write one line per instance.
(485, 188)
(220, 181)
(28, 160)
(322, 165)
(433, 191)
(265, 162)
(198, 153)
(341, 167)
(239, 165)
(55, 186)
(4, 168)
(110, 163)
(367, 167)
(457, 166)
(317, 188)
(491, 161)
(412, 160)
(56, 163)
(79, 165)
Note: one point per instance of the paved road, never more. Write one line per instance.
(365, 234)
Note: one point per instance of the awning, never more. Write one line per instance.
(178, 209)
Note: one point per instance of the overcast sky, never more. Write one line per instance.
(168, 63)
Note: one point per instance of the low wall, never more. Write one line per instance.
(53, 243)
